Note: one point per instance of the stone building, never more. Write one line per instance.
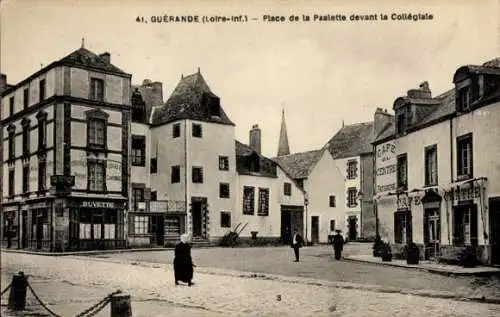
(437, 168)
(65, 155)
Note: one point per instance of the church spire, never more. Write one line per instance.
(283, 147)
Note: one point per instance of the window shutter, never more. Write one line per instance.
(348, 203)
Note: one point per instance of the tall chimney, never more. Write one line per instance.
(157, 93)
(255, 135)
(106, 57)
(380, 120)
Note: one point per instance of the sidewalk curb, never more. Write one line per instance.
(425, 269)
(310, 281)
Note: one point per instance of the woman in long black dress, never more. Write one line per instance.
(183, 263)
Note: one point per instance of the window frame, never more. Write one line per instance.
(175, 174)
(11, 129)
(96, 83)
(197, 176)
(224, 190)
(466, 139)
(92, 181)
(197, 130)
(26, 97)
(223, 163)
(227, 223)
(263, 203)
(26, 137)
(354, 202)
(176, 130)
(141, 196)
(287, 189)
(248, 200)
(12, 183)
(431, 169)
(332, 201)
(138, 150)
(399, 181)
(352, 169)
(42, 90)
(12, 105)
(42, 174)
(26, 178)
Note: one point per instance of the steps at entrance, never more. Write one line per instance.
(197, 242)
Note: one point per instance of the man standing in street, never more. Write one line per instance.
(297, 242)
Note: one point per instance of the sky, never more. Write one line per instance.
(322, 73)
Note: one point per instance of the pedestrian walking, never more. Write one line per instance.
(183, 263)
(338, 245)
(297, 242)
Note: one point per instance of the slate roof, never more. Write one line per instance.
(244, 153)
(352, 140)
(148, 97)
(186, 102)
(84, 58)
(299, 165)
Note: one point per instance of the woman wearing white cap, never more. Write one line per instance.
(183, 263)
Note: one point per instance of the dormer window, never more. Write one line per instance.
(138, 108)
(401, 123)
(214, 107)
(253, 163)
(464, 99)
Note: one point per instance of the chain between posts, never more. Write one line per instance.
(89, 312)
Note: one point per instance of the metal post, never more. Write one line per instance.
(306, 202)
(18, 289)
(121, 306)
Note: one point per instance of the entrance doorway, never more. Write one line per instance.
(292, 217)
(158, 229)
(353, 230)
(494, 218)
(432, 233)
(197, 206)
(315, 229)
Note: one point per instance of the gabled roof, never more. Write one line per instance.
(245, 153)
(187, 101)
(352, 140)
(299, 165)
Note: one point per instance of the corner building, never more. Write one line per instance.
(437, 168)
(65, 155)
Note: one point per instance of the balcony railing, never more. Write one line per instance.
(169, 206)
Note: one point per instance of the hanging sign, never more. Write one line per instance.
(464, 193)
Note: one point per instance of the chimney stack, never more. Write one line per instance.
(255, 136)
(157, 93)
(380, 120)
(106, 56)
(423, 92)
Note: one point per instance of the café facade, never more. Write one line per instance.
(65, 156)
(437, 172)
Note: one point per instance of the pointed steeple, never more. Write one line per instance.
(283, 147)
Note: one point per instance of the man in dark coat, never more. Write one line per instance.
(183, 263)
(338, 245)
(296, 243)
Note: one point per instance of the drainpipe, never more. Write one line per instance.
(185, 177)
(375, 202)
(450, 207)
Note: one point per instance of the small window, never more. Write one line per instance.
(153, 167)
(176, 130)
(464, 99)
(287, 189)
(352, 169)
(332, 201)
(42, 89)
(26, 138)
(138, 150)
(352, 198)
(224, 190)
(332, 225)
(225, 219)
(175, 176)
(141, 224)
(42, 175)
(11, 106)
(97, 176)
(154, 195)
(137, 197)
(26, 98)
(12, 142)
(197, 130)
(96, 132)
(402, 172)
(197, 176)
(464, 156)
(97, 89)
(401, 123)
(223, 163)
